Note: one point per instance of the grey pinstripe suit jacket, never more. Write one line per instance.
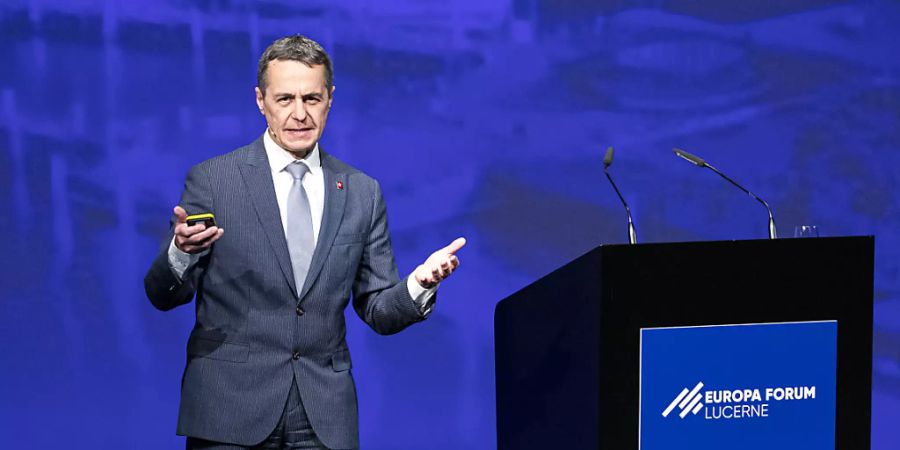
(239, 354)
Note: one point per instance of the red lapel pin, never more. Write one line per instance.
(340, 185)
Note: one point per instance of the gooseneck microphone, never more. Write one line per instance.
(607, 161)
(700, 162)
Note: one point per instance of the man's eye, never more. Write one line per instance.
(284, 99)
(312, 101)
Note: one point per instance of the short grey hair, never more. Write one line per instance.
(294, 48)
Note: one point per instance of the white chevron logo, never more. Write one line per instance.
(687, 402)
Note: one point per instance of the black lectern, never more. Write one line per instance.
(567, 346)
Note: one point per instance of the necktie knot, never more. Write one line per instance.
(297, 170)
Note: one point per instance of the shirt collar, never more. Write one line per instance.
(280, 158)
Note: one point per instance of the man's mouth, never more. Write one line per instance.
(298, 132)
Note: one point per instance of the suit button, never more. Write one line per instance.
(296, 356)
(300, 311)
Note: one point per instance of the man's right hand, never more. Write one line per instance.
(196, 238)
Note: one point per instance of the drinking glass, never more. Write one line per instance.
(806, 231)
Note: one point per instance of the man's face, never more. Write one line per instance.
(296, 104)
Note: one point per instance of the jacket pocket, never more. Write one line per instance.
(222, 350)
(340, 360)
(350, 238)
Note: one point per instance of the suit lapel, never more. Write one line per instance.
(258, 178)
(333, 213)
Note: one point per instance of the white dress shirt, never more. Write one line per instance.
(314, 184)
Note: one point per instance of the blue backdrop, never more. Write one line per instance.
(482, 118)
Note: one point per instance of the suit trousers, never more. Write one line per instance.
(293, 432)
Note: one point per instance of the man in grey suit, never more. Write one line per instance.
(268, 365)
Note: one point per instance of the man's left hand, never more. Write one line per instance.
(439, 265)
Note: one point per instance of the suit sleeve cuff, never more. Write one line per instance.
(180, 262)
(423, 298)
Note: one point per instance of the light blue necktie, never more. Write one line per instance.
(299, 225)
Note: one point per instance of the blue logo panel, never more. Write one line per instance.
(768, 386)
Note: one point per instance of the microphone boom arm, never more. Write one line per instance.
(700, 162)
(773, 234)
(607, 161)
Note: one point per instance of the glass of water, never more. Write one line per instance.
(806, 231)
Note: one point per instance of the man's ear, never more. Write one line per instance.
(331, 96)
(260, 101)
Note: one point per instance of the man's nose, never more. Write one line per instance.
(299, 112)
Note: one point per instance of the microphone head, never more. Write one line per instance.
(607, 160)
(694, 159)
